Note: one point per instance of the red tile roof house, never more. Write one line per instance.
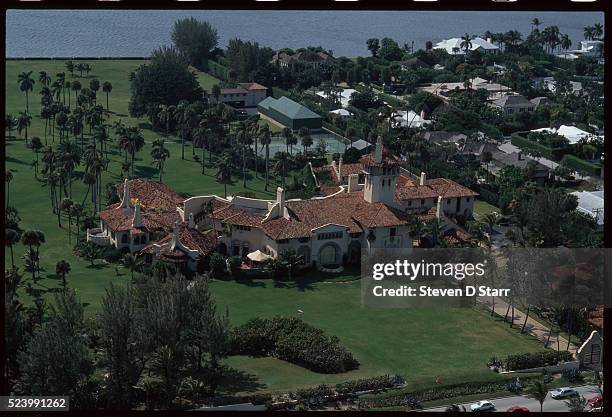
(326, 231)
(243, 95)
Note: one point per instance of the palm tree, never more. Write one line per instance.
(588, 33)
(23, 122)
(107, 87)
(466, 43)
(165, 115)
(33, 239)
(11, 238)
(132, 263)
(305, 137)
(597, 31)
(577, 404)
(266, 138)
(36, 145)
(62, 268)
(200, 138)
(10, 123)
(76, 87)
(159, 153)
(287, 133)
(80, 68)
(65, 206)
(491, 219)
(184, 117)
(132, 141)
(282, 165)
(565, 42)
(538, 391)
(44, 78)
(244, 139)
(535, 24)
(26, 84)
(224, 173)
(61, 81)
(70, 67)
(77, 211)
(8, 177)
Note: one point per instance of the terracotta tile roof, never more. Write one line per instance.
(152, 194)
(204, 242)
(597, 316)
(388, 158)
(407, 189)
(348, 169)
(327, 190)
(253, 86)
(326, 175)
(455, 236)
(449, 188)
(118, 220)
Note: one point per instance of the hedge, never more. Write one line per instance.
(580, 165)
(218, 70)
(526, 144)
(535, 360)
(489, 196)
(401, 398)
(292, 340)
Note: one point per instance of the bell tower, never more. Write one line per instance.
(381, 171)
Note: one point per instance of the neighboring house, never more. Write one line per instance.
(513, 104)
(593, 49)
(474, 150)
(310, 58)
(413, 63)
(442, 137)
(410, 118)
(444, 90)
(571, 133)
(244, 95)
(550, 84)
(453, 46)
(342, 113)
(362, 146)
(539, 102)
(537, 172)
(343, 95)
(285, 112)
(591, 203)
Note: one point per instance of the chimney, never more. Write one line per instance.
(439, 212)
(175, 237)
(137, 220)
(191, 221)
(423, 178)
(125, 201)
(340, 168)
(353, 183)
(378, 152)
(423, 114)
(490, 41)
(280, 199)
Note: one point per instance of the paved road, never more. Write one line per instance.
(502, 404)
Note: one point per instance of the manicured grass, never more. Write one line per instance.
(454, 344)
(207, 81)
(482, 207)
(419, 344)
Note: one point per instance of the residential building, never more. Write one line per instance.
(571, 133)
(444, 90)
(307, 57)
(591, 203)
(539, 102)
(453, 46)
(410, 118)
(537, 172)
(285, 112)
(243, 95)
(343, 95)
(513, 104)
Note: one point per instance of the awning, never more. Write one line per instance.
(258, 256)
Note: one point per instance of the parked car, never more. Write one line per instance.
(596, 401)
(563, 393)
(483, 405)
(518, 409)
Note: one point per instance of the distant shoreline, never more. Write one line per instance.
(101, 58)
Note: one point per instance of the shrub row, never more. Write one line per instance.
(580, 165)
(399, 398)
(369, 384)
(551, 153)
(218, 70)
(292, 340)
(535, 360)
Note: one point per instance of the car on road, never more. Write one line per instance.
(596, 401)
(483, 405)
(563, 393)
(518, 409)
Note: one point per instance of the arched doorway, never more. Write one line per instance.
(354, 252)
(329, 254)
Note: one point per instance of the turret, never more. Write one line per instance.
(137, 219)
(125, 200)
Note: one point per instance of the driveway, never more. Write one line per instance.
(550, 405)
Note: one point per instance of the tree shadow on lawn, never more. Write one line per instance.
(250, 283)
(235, 381)
(141, 171)
(16, 161)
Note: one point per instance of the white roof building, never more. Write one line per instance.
(453, 46)
(345, 96)
(592, 204)
(342, 112)
(572, 133)
(410, 119)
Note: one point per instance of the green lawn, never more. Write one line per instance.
(454, 344)
(481, 208)
(207, 81)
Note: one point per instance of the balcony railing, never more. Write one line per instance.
(98, 237)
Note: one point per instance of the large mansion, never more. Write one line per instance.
(369, 204)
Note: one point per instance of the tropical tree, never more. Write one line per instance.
(224, 173)
(132, 262)
(132, 142)
(76, 87)
(70, 67)
(265, 138)
(23, 123)
(491, 219)
(166, 115)
(11, 238)
(26, 84)
(10, 123)
(597, 31)
(159, 153)
(282, 165)
(8, 177)
(538, 390)
(77, 211)
(577, 404)
(305, 137)
(33, 239)
(44, 78)
(466, 43)
(36, 145)
(107, 87)
(62, 268)
(200, 138)
(535, 24)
